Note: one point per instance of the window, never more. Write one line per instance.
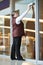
(34, 30)
(4, 36)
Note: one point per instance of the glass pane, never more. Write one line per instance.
(1, 41)
(4, 36)
(7, 22)
(1, 35)
(28, 41)
(7, 36)
(1, 21)
(41, 28)
(7, 40)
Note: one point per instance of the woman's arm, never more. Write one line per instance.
(23, 14)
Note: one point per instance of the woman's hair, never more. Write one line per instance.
(16, 11)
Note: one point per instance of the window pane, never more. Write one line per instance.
(41, 28)
(7, 22)
(7, 41)
(1, 41)
(1, 36)
(4, 36)
(28, 41)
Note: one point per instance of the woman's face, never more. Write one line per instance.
(16, 15)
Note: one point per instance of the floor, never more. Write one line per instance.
(6, 61)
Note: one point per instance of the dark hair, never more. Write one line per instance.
(16, 11)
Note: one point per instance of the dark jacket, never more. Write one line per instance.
(18, 29)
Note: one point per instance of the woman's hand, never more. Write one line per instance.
(29, 6)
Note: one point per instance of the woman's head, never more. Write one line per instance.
(15, 13)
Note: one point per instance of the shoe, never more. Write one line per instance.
(23, 59)
(13, 59)
(20, 58)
